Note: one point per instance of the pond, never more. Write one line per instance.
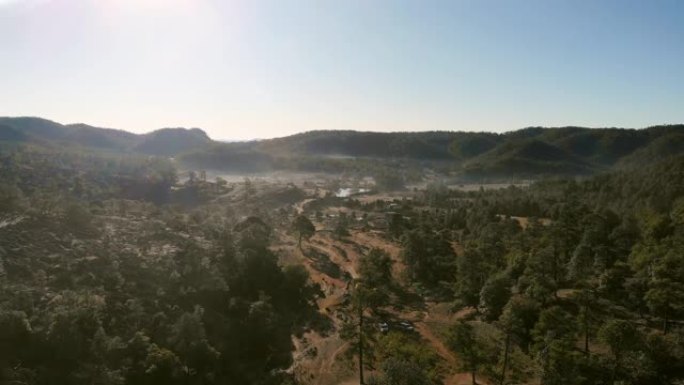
(346, 192)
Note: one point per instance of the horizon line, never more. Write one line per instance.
(348, 130)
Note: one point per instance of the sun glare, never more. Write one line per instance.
(147, 4)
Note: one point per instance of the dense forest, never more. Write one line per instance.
(102, 281)
(117, 269)
(564, 282)
(530, 153)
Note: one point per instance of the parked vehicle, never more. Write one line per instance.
(406, 326)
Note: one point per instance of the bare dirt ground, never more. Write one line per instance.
(322, 359)
(488, 186)
(524, 222)
(319, 357)
(332, 263)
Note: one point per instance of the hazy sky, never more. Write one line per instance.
(255, 69)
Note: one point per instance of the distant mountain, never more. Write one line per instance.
(172, 141)
(11, 134)
(667, 145)
(530, 152)
(527, 158)
(415, 145)
(469, 145)
(167, 141)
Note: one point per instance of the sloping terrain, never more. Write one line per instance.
(528, 153)
(333, 262)
(528, 158)
(661, 148)
(169, 141)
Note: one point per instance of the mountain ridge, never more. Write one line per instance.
(529, 152)
(163, 141)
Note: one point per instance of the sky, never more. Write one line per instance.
(245, 69)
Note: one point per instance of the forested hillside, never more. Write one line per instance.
(378, 192)
(529, 153)
(103, 281)
(112, 271)
(168, 141)
(563, 282)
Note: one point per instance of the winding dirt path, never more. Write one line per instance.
(328, 367)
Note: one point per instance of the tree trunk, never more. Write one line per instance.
(360, 344)
(555, 270)
(616, 368)
(586, 329)
(473, 376)
(505, 363)
(586, 342)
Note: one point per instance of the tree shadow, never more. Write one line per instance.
(406, 298)
(321, 262)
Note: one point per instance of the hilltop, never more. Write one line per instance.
(527, 153)
(166, 141)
